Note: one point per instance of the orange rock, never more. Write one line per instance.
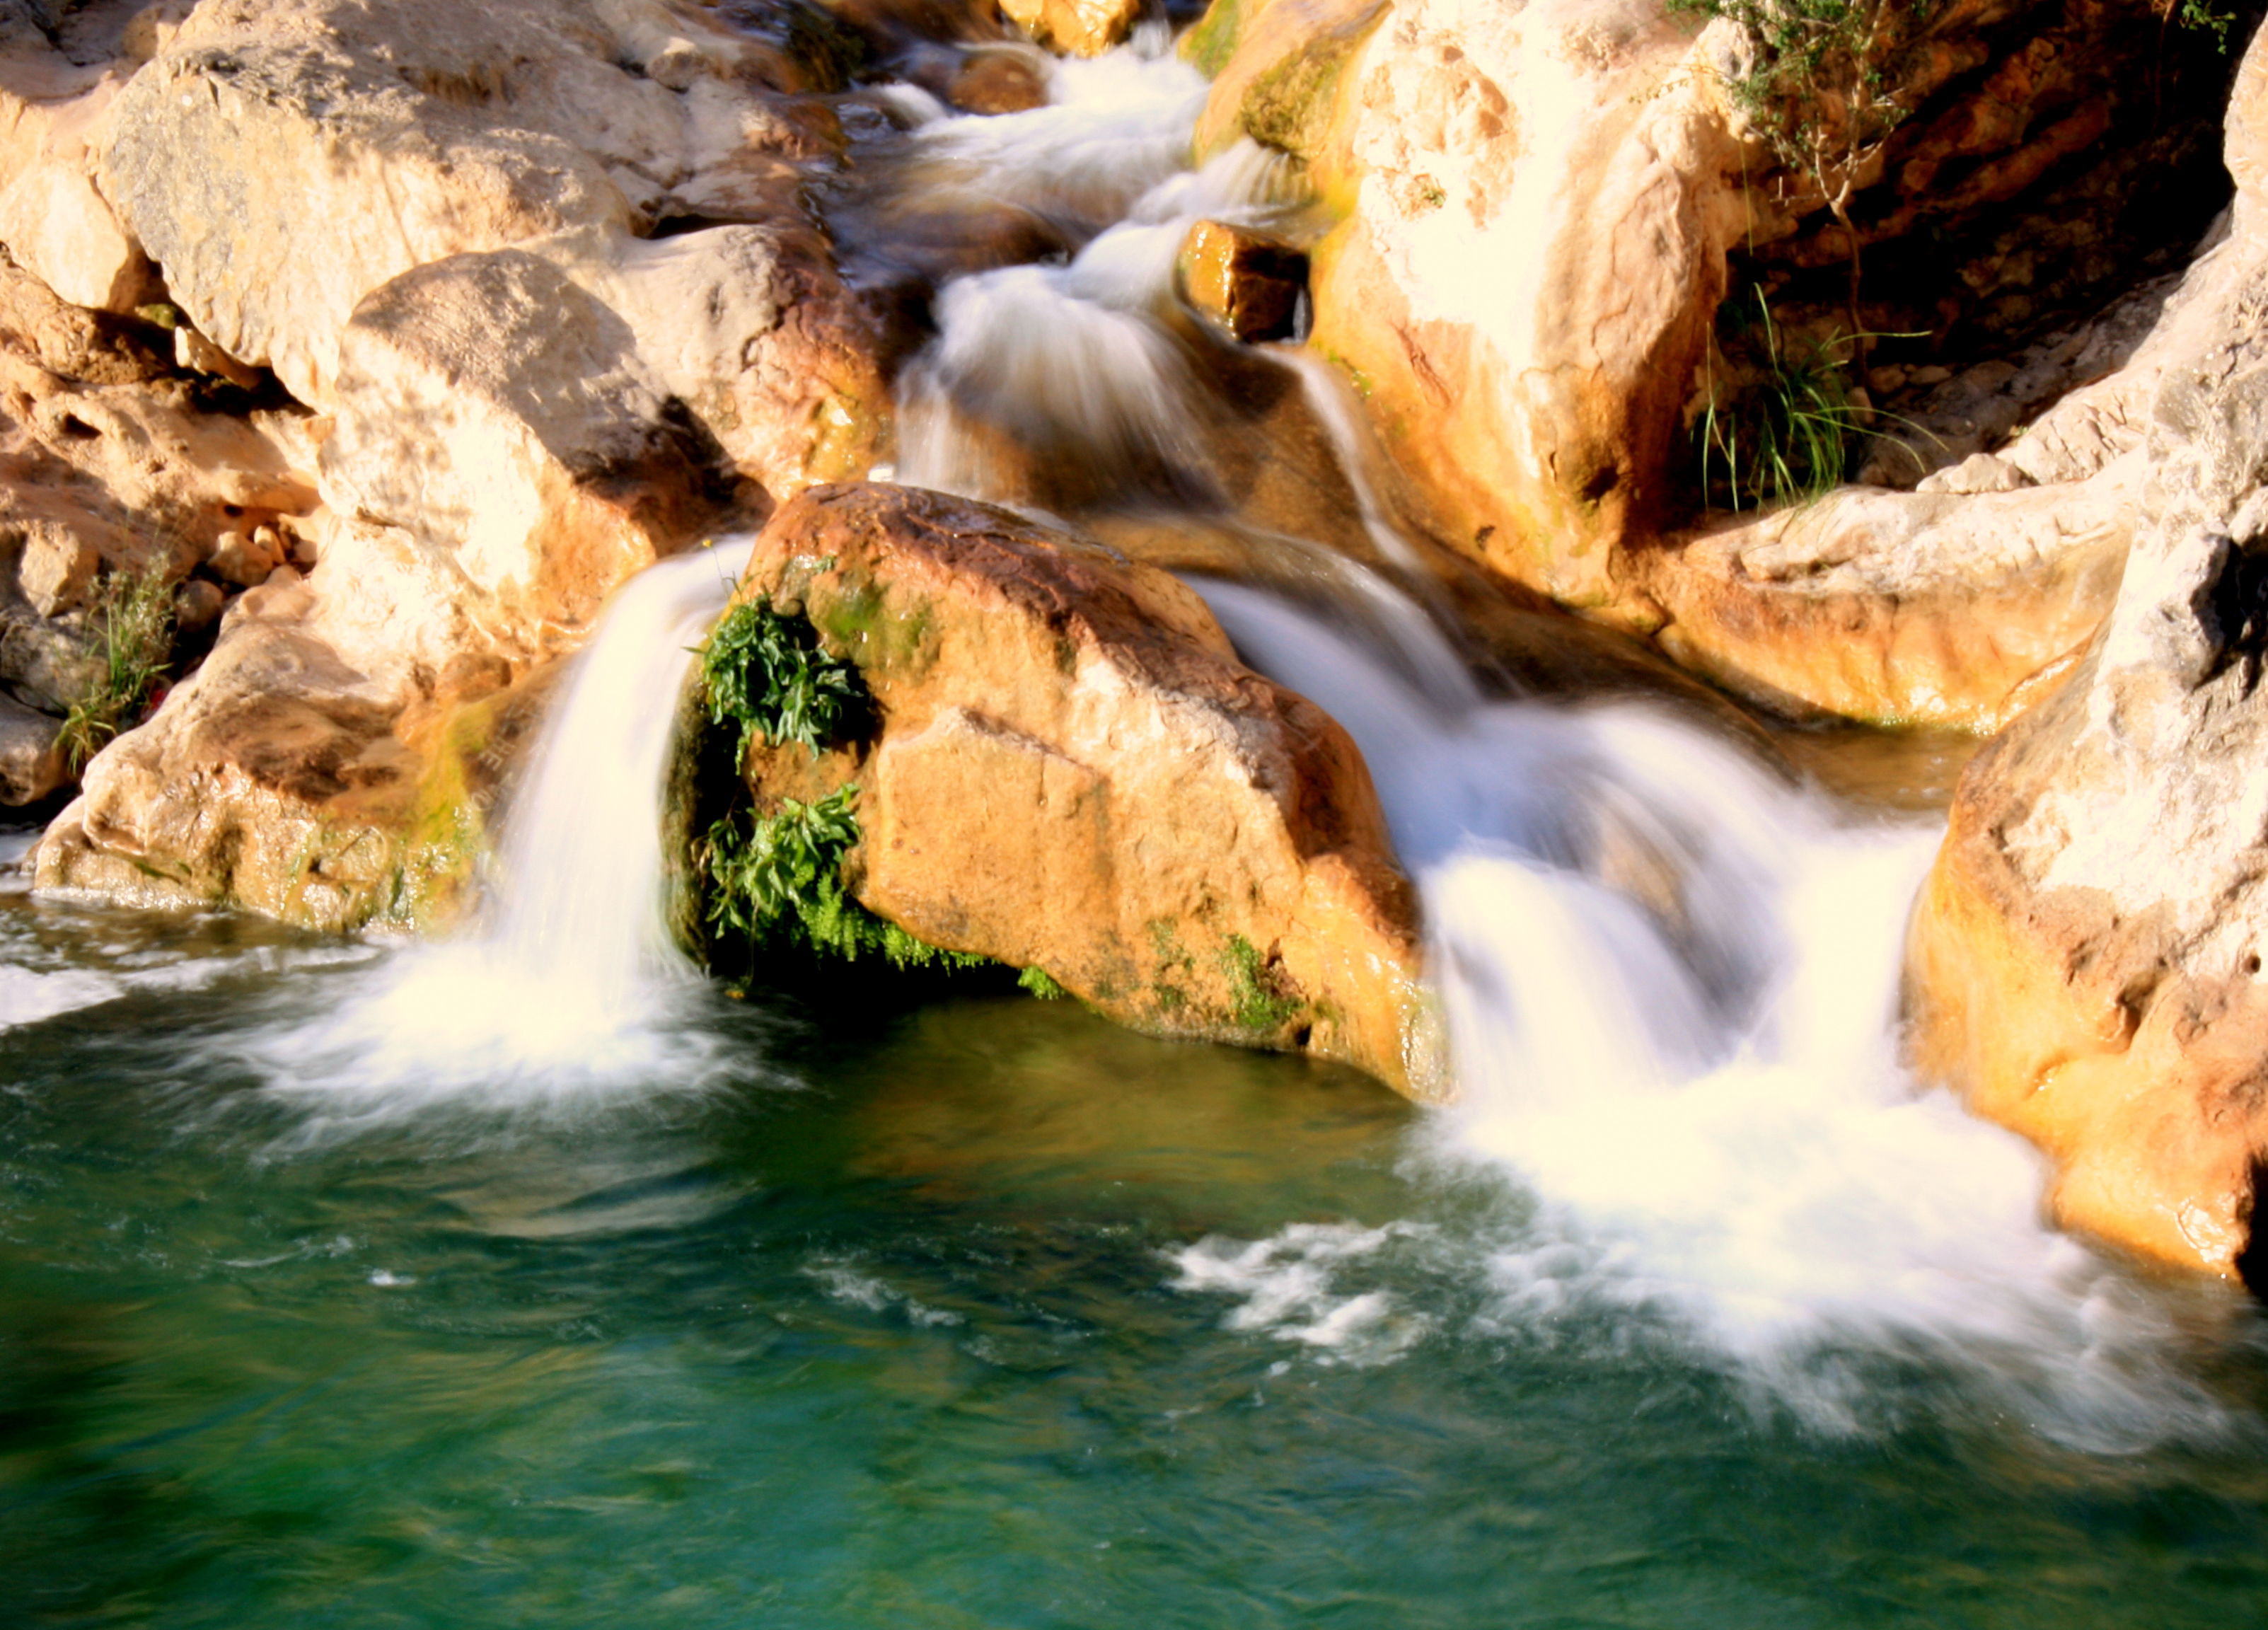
(1249, 282)
(1073, 771)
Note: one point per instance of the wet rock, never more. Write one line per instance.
(31, 765)
(1249, 282)
(1047, 710)
(1080, 28)
(2086, 962)
(996, 81)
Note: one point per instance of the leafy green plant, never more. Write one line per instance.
(775, 881)
(2200, 16)
(133, 617)
(1260, 1005)
(766, 671)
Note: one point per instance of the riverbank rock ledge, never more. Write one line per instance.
(2088, 957)
(1073, 771)
(505, 301)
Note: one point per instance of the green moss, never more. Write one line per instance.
(864, 619)
(1208, 46)
(1260, 1005)
(766, 671)
(1038, 982)
(1289, 106)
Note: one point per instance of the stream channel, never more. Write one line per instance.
(527, 1279)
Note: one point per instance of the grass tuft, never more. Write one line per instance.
(133, 616)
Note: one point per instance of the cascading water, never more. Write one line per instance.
(1670, 980)
(1671, 983)
(570, 982)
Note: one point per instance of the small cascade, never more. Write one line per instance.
(569, 983)
(1069, 363)
(1671, 983)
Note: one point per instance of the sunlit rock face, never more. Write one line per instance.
(2087, 959)
(425, 230)
(1073, 771)
(1541, 210)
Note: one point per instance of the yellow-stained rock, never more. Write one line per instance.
(1249, 282)
(1081, 27)
(1074, 773)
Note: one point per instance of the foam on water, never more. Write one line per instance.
(1671, 984)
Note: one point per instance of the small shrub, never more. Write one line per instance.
(133, 616)
(765, 671)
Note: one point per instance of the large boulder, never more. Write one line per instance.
(458, 236)
(1071, 770)
(2087, 958)
(1539, 209)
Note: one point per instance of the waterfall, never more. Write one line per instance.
(1671, 982)
(567, 984)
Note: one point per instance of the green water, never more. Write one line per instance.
(899, 1330)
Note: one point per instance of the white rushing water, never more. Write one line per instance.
(1672, 985)
(1670, 978)
(1070, 361)
(569, 983)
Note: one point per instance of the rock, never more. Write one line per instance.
(1000, 81)
(2086, 962)
(246, 561)
(329, 763)
(55, 568)
(1900, 610)
(54, 221)
(31, 765)
(283, 158)
(198, 605)
(1249, 282)
(1081, 27)
(423, 219)
(1979, 472)
(1047, 711)
(193, 353)
(1525, 363)
(493, 407)
(68, 340)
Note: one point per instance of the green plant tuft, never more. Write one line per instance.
(1041, 985)
(776, 881)
(766, 671)
(1787, 437)
(133, 615)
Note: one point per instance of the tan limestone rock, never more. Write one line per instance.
(1080, 28)
(56, 569)
(2086, 963)
(1073, 771)
(31, 767)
